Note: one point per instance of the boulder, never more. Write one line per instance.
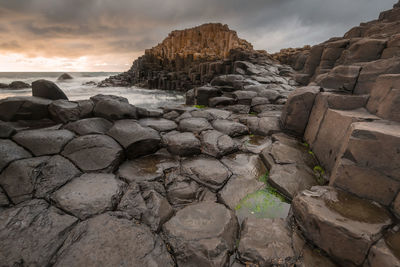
(211, 114)
(232, 80)
(230, 128)
(113, 108)
(43, 142)
(112, 240)
(204, 93)
(217, 144)
(19, 85)
(32, 232)
(342, 78)
(4, 202)
(137, 140)
(89, 126)
(207, 171)
(182, 144)
(7, 129)
(89, 194)
(3, 86)
(363, 50)
(195, 125)
(385, 251)
(264, 126)
(221, 101)
(66, 111)
(344, 226)
(297, 110)
(149, 113)
(24, 108)
(265, 242)
(65, 76)
(159, 124)
(94, 153)
(9, 152)
(208, 243)
(47, 89)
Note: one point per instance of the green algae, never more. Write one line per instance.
(199, 106)
(264, 178)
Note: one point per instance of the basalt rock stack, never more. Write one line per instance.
(188, 58)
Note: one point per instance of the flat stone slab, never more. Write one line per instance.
(89, 194)
(230, 128)
(136, 139)
(111, 240)
(31, 233)
(148, 168)
(341, 224)
(44, 142)
(182, 144)
(217, 144)
(89, 126)
(159, 124)
(265, 242)
(94, 153)
(10, 151)
(207, 171)
(202, 234)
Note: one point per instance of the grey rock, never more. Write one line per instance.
(159, 124)
(64, 76)
(182, 144)
(19, 85)
(111, 240)
(89, 126)
(10, 151)
(221, 101)
(47, 89)
(195, 125)
(7, 129)
(149, 113)
(385, 252)
(113, 108)
(264, 126)
(230, 128)
(66, 111)
(172, 115)
(94, 153)
(217, 144)
(31, 233)
(203, 94)
(202, 244)
(89, 194)
(43, 142)
(24, 108)
(137, 140)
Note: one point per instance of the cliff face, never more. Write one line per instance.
(187, 58)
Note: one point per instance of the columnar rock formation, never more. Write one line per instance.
(188, 58)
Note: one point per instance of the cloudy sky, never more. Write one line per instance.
(107, 35)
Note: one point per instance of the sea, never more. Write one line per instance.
(76, 90)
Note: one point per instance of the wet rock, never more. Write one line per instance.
(203, 94)
(265, 242)
(32, 232)
(24, 108)
(161, 125)
(340, 78)
(65, 111)
(211, 114)
(36, 177)
(110, 240)
(246, 171)
(94, 153)
(148, 206)
(341, 224)
(18, 85)
(291, 179)
(217, 144)
(208, 243)
(64, 76)
(113, 108)
(182, 144)
(172, 115)
(363, 50)
(230, 128)
(254, 144)
(195, 125)
(238, 109)
(264, 126)
(149, 113)
(385, 252)
(137, 140)
(9, 152)
(298, 108)
(47, 89)
(4, 202)
(148, 168)
(221, 101)
(207, 171)
(3, 86)
(89, 126)
(244, 97)
(7, 130)
(43, 142)
(232, 80)
(89, 194)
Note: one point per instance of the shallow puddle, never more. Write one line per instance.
(264, 203)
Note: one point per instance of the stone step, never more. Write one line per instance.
(341, 224)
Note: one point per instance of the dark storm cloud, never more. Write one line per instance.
(98, 27)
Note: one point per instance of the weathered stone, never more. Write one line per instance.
(343, 225)
(247, 171)
(137, 140)
(230, 128)
(203, 94)
(182, 144)
(238, 109)
(89, 194)
(298, 108)
(207, 171)
(385, 97)
(291, 179)
(65, 111)
(385, 252)
(221, 101)
(254, 144)
(172, 115)
(43, 142)
(208, 243)
(340, 78)
(18, 85)
(264, 126)
(113, 108)
(211, 114)
(149, 113)
(64, 76)
(148, 168)
(94, 153)
(89, 126)
(9, 152)
(195, 125)
(111, 240)
(24, 108)
(265, 242)
(31, 233)
(158, 124)
(364, 50)
(4, 202)
(233, 80)
(244, 97)
(47, 89)
(6, 129)
(217, 144)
